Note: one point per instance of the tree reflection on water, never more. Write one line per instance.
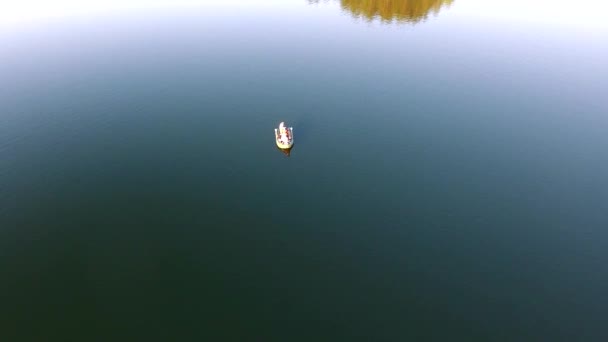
(411, 11)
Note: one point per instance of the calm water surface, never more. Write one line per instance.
(449, 179)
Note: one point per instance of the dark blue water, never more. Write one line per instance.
(449, 179)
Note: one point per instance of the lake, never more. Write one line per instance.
(448, 182)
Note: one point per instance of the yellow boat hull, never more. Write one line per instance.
(285, 146)
(281, 143)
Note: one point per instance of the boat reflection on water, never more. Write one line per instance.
(286, 151)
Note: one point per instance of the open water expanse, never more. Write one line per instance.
(449, 179)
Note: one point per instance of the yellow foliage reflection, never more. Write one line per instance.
(412, 11)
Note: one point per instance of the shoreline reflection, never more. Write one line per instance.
(388, 11)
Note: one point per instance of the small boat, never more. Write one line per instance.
(284, 136)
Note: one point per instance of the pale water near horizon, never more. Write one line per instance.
(449, 179)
